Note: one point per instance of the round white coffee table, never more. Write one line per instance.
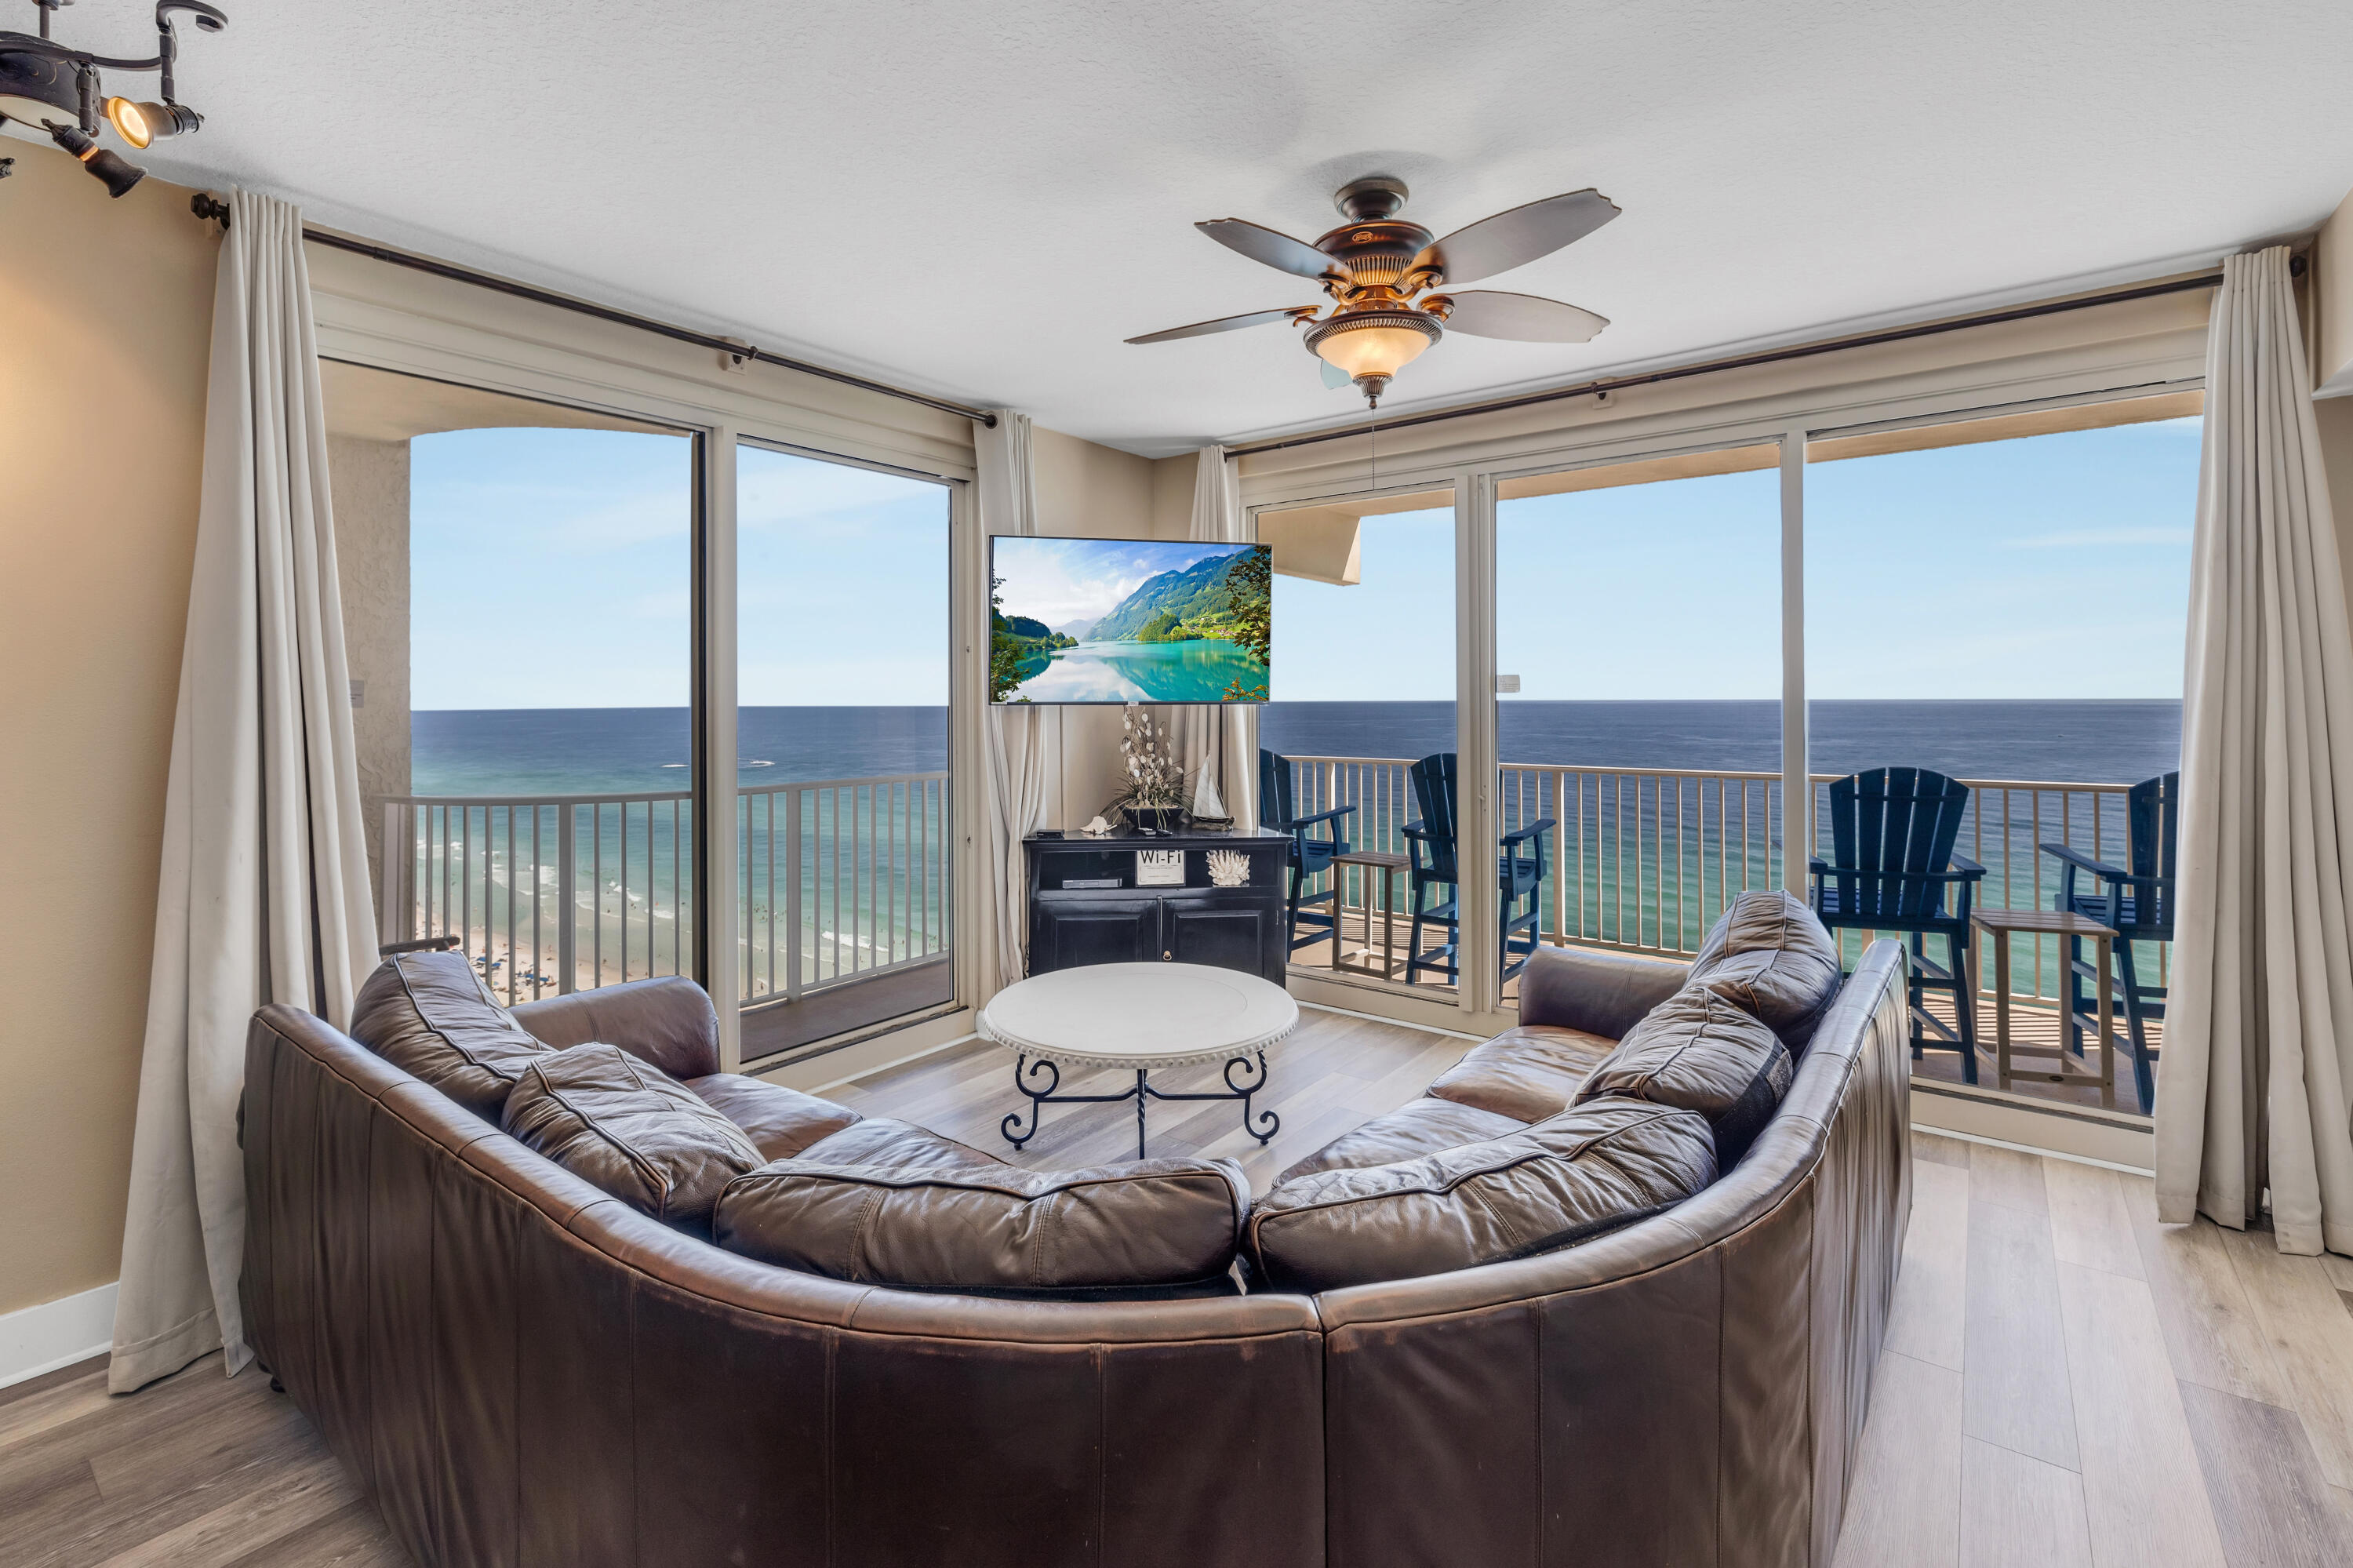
(1138, 1016)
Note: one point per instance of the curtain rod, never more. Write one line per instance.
(1768, 357)
(206, 207)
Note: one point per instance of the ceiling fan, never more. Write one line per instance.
(1383, 274)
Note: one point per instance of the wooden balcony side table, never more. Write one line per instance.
(2001, 924)
(1384, 869)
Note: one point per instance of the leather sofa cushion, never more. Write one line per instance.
(1700, 1051)
(1526, 1073)
(1769, 954)
(624, 1125)
(779, 1122)
(897, 1145)
(430, 1015)
(1425, 1127)
(1572, 1177)
(993, 1231)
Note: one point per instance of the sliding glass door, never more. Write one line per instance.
(1364, 716)
(2003, 600)
(1638, 697)
(519, 619)
(843, 805)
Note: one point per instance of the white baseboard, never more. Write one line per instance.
(56, 1334)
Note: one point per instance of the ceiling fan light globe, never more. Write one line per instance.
(1380, 345)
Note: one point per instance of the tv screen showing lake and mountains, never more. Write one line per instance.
(1128, 621)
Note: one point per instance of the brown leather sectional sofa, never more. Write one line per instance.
(523, 1370)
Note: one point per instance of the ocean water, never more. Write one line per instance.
(584, 751)
(614, 751)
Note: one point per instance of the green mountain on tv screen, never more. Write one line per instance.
(1193, 600)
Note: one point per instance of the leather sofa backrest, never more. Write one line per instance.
(1593, 990)
(668, 1020)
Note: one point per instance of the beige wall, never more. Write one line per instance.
(108, 314)
(369, 481)
(1172, 496)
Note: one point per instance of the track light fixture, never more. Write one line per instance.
(117, 173)
(40, 78)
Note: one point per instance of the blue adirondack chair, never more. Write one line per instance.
(1310, 855)
(1894, 869)
(2136, 902)
(1519, 877)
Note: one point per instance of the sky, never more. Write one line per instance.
(550, 568)
(2051, 565)
(1060, 581)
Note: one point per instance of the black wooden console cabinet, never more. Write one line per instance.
(1227, 928)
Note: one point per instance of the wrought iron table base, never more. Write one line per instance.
(1262, 1124)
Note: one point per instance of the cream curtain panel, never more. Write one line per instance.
(1023, 756)
(1230, 789)
(264, 894)
(2259, 1028)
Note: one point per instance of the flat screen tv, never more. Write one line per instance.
(1128, 621)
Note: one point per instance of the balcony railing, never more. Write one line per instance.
(841, 880)
(838, 879)
(1644, 860)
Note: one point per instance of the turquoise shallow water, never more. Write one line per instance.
(1195, 672)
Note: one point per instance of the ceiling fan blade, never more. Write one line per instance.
(1522, 318)
(1519, 235)
(1223, 323)
(1277, 250)
(1334, 376)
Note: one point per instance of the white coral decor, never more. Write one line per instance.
(1155, 779)
(1227, 868)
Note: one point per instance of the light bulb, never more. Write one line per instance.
(141, 124)
(130, 122)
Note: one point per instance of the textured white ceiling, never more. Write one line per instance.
(983, 199)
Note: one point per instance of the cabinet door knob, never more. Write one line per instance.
(1167, 958)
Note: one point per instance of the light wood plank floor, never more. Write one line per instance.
(2065, 1381)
